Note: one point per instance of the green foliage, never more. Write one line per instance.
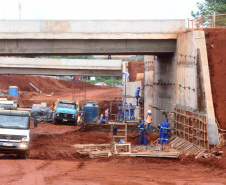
(106, 79)
(210, 6)
(140, 58)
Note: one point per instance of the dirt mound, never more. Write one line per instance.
(105, 128)
(134, 68)
(216, 47)
(45, 84)
(59, 146)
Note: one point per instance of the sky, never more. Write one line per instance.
(97, 9)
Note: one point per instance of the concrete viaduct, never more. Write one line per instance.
(89, 37)
(47, 66)
(181, 57)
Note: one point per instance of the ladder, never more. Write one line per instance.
(121, 132)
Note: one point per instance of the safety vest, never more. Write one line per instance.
(148, 119)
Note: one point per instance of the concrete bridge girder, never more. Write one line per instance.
(89, 37)
(46, 66)
(109, 46)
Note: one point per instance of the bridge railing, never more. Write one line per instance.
(207, 21)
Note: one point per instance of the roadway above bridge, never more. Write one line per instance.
(89, 37)
(60, 67)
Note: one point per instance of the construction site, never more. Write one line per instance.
(181, 78)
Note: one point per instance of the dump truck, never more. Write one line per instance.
(65, 111)
(14, 133)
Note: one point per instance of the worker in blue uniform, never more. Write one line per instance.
(127, 75)
(119, 106)
(127, 111)
(131, 110)
(101, 120)
(120, 115)
(141, 130)
(106, 115)
(164, 133)
(137, 96)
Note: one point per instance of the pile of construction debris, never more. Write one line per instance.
(214, 152)
(123, 149)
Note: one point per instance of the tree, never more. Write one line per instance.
(210, 6)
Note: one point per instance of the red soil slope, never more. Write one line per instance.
(216, 48)
(134, 68)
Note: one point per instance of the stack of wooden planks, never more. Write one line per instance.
(99, 154)
(185, 147)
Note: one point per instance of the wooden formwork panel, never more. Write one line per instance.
(191, 127)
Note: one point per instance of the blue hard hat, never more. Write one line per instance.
(166, 119)
(125, 102)
(130, 103)
(142, 121)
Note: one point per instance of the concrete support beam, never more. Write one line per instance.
(66, 47)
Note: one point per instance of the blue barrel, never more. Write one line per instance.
(91, 110)
(13, 91)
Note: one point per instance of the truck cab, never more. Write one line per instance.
(14, 132)
(65, 111)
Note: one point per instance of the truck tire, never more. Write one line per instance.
(55, 122)
(24, 154)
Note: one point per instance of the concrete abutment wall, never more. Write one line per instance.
(181, 80)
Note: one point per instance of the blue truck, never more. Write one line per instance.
(65, 112)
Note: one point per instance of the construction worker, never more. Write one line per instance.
(148, 121)
(137, 96)
(119, 106)
(120, 113)
(131, 109)
(127, 111)
(141, 130)
(127, 75)
(101, 120)
(106, 115)
(164, 133)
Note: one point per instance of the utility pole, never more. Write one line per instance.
(20, 10)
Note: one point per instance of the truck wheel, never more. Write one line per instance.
(55, 122)
(24, 154)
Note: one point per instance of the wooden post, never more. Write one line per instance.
(214, 19)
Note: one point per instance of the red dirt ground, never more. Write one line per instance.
(135, 67)
(216, 48)
(53, 160)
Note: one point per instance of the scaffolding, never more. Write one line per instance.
(114, 101)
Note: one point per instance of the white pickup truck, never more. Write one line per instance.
(14, 132)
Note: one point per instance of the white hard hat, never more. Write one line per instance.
(149, 111)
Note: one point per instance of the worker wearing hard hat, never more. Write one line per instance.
(101, 120)
(164, 133)
(141, 130)
(148, 121)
